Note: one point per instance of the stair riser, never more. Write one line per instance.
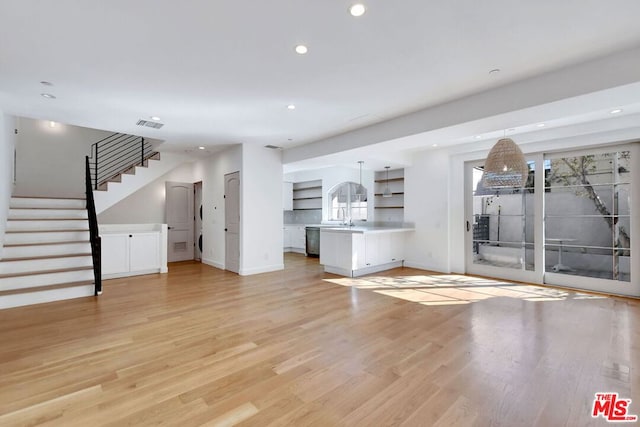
(35, 237)
(34, 265)
(47, 225)
(19, 202)
(9, 301)
(25, 282)
(47, 213)
(46, 250)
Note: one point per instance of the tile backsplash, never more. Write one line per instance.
(313, 216)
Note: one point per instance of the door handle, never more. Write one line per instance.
(468, 226)
(225, 229)
(169, 228)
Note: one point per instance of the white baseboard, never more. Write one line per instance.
(267, 269)
(213, 263)
(130, 273)
(420, 266)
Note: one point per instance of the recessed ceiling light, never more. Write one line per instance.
(478, 136)
(291, 107)
(48, 95)
(494, 71)
(156, 118)
(357, 9)
(52, 124)
(46, 83)
(616, 111)
(200, 148)
(289, 139)
(434, 145)
(301, 49)
(541, 125)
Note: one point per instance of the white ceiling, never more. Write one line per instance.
(222, 72)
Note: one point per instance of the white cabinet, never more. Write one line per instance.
(129, 254)
(286, 240)
(357, 253)
(144, 251)
(294, 238)
(287, 196)
(115, 253)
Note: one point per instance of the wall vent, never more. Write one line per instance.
(273, 147)
(149, 124)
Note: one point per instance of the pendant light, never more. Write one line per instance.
(505, 166)
(387, 192)
(360, 190)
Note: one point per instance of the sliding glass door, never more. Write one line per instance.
(501, 224)
(589, 212)
(575, 223)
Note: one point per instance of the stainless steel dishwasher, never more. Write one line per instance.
(313, 241)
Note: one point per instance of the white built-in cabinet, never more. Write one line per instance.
(130, 253)
(355, 254)
(287, 196)
(294, 238)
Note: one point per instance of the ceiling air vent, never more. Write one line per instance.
(273, 147)
(150, 124)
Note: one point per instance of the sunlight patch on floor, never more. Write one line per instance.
(446, 289)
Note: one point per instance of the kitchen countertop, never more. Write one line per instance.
(365, 229)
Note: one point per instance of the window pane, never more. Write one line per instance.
(503, 222)
(587, 216)
(580, 231)
(588, 262)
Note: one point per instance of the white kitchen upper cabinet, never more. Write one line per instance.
(144, 251)
(115, 253)
(287, 196)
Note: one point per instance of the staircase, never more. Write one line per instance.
(47, 252)
(134, 177)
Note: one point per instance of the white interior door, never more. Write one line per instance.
(232, 221)
(179, 215)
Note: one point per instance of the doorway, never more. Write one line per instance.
(232, 221)
(197, 205)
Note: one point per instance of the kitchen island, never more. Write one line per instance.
(356, 251)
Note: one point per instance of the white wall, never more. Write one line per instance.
(426, 193)
(51, 161)
(331, 176)
(147, 205)
(7, 144)
(261, 210)
(214, 170)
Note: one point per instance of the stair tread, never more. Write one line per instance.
(48, 197)
(16, 245)
(52, 271)
(81, 254)
(48, 208)
(46, 287)
(46, 219)
(48, 231)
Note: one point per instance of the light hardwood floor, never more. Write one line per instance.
(200, 346)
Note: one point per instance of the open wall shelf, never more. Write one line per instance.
(389, 209)
(307, 195)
